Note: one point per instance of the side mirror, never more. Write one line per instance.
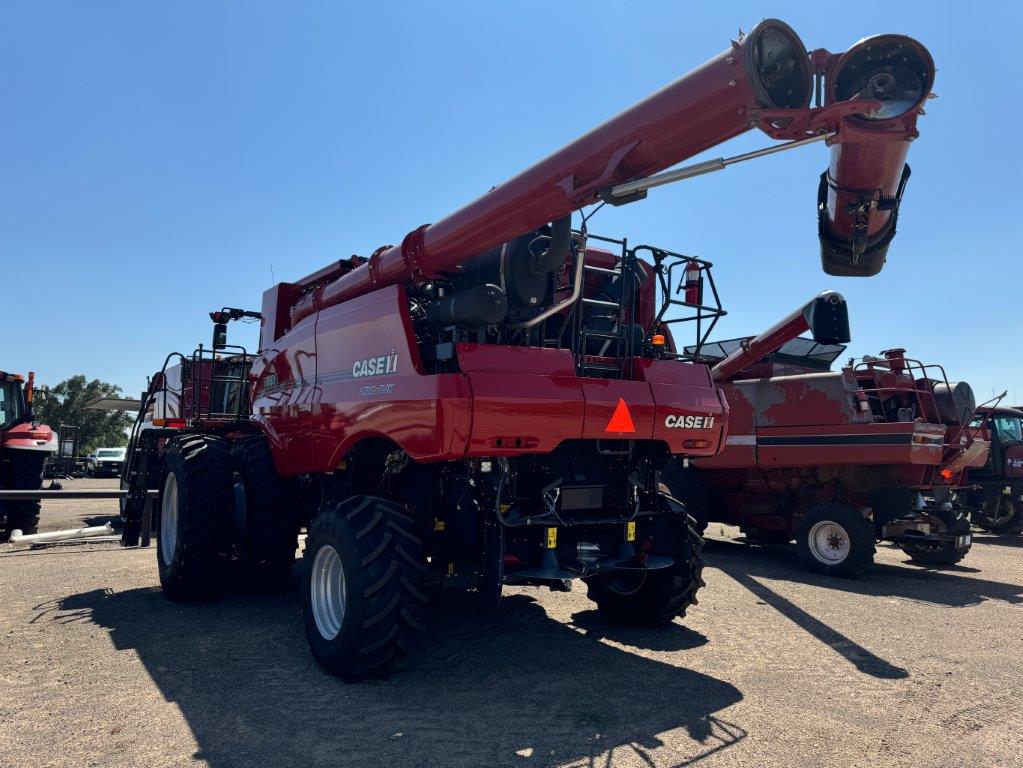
(219, 335)
(828, 318)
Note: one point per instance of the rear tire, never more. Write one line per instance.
(835, 539)
(686, 485)
(194, 502)
(363, 594)
(952, 521)
(22, 471)
(654, 597)
(999, 514)
(265, 518)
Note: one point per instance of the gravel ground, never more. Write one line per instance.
(775, 666)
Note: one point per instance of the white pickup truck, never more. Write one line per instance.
(105, 462)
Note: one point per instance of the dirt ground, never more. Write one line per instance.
(775, 667)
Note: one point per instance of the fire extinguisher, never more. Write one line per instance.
(693, 284)
(862, 401)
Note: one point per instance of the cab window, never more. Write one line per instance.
(10, 403)
(1008, 429)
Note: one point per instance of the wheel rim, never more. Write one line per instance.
(829, 542)
(169, 518)
(1002, 512)
(328, 592)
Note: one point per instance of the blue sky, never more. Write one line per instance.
(158, 160)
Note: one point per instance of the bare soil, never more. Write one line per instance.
(906, 666)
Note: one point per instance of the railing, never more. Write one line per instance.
(962, 430)
(665, 265)
(212, 361)
(910, 365)
(604, 351)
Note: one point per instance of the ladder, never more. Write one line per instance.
(603, 351)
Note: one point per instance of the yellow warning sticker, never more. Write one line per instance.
(630, 530)
(552, 538)
(438, 525)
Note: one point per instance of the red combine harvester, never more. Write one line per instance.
(835, 459)
(493, 400)
(24, 447)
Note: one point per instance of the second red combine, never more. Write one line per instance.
(835, 459)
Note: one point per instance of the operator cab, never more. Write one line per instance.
(12, 401)
(1005, 426)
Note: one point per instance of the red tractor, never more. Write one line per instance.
(24, 447)
(835, 459)
(494, 400)
(994, 493)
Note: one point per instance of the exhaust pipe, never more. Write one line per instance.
(859, 195)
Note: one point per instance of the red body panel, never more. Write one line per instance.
(809, 421)
(315, 398)
(29, 437)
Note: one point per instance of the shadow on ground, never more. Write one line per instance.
(947, 585)
(509, 688)
(998, 540)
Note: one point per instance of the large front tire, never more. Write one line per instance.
(194, 503)
(22, 471)
(266, 521)
(363, 593)
(835, 539)
(654, 597)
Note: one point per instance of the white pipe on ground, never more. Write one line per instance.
(17, 537)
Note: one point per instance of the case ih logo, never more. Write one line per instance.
(688, 422)
(376, 366)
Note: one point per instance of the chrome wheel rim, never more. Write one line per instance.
(829, 542)
(328, 592)
(169, 518)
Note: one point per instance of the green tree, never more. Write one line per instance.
(65, 404)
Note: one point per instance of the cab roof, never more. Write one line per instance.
(1000, 411)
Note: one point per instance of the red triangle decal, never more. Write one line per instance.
(621, 419)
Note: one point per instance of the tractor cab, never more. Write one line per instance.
(24, 447)
(1005, 427)
(13, 408)
(997, 498)
(16, 427)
